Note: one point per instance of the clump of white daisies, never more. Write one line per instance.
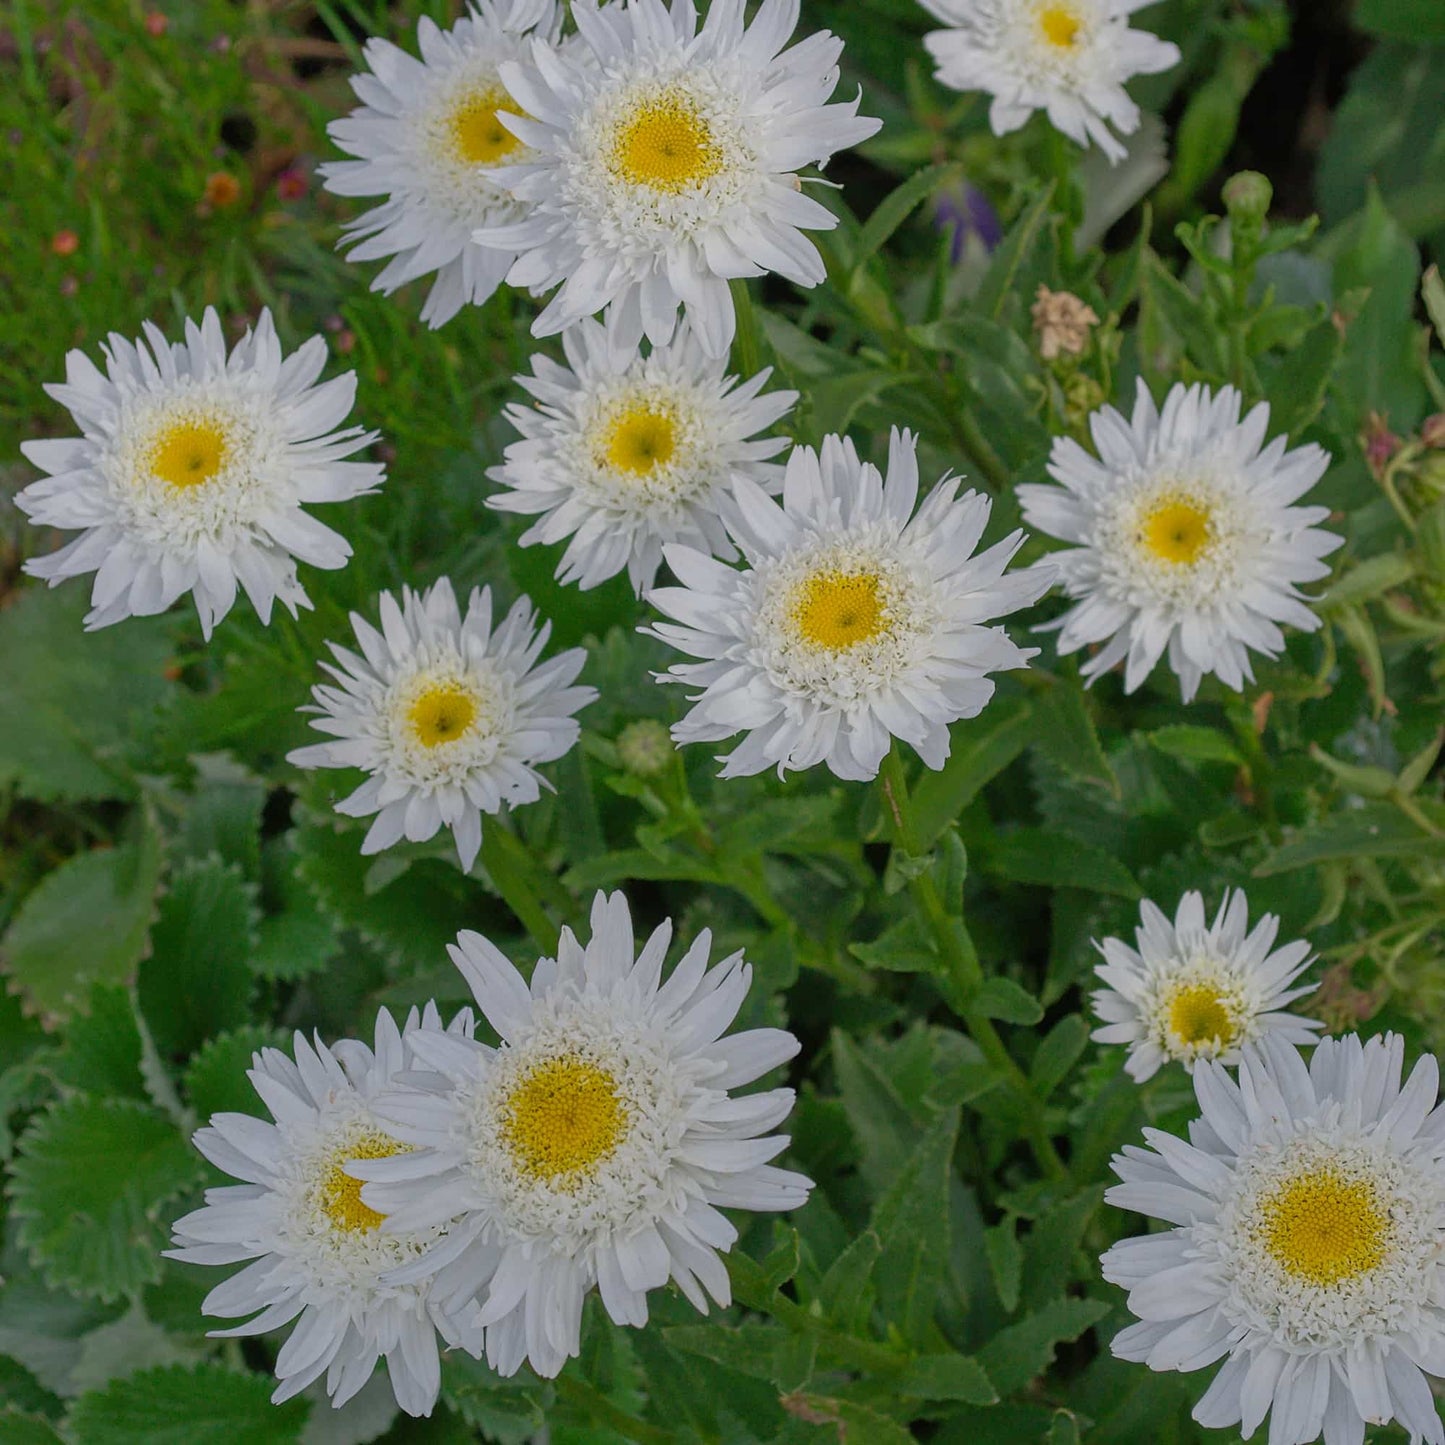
(663, 162)
(1186, 540)
(1307, 1206)
(447, 715)
(1068, 58)
(431, 137)
(1192, 990)
(627, 450)
(855, 621)
(594, 1147)
(194, 470)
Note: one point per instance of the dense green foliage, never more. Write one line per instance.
(173, 894)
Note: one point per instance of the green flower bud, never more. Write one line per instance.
(645, 748)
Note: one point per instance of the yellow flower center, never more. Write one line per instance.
(1198, 1015)
(666, 145)
(339, 1195)
(1060, 26)
(1326, 1228)
(563, 1119)
(442, 714)
(1177, 531)
(838, 610)
(641, 438)
(189, 453)
(477, 134)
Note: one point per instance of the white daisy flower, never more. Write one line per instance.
(855, 622)
(1186, 539)
(1309, 1210)
(429, 138)
(664, 162)
(317, 1251)
(449, 717)
(193, 471)
(1068, 58)
(624, 452)
(1192, 991)
(594, 1146)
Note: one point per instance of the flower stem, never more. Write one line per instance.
(955, 947)
(588, 1399)
(513, 869)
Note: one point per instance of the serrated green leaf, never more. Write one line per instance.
(1055, 860)
(912, 1221)
(1019, 1353)
(1053, 1240)
(86, 921)
(850, 1420)
(20, 1391)
(75, 708)
(412, 919)
(1195, 744)
(947, 1377)
(102, 1053)
(216, 1081)
(1014, 253)
(90, 1186)
(750, 1349)
(1063, 1429)
(1369, 579)
(1064, 731)
(197, 980)
(1298, 386)
(180, 1405)
(903, 948)
(18, 1428)
(845, 1290)
(296, 937)
(222, 815)
(895, 208)
(980, 749)
(1376, 830)
(877, 1115)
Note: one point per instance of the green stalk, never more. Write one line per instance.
(585, 1397)
(955, 946)
(513, 869)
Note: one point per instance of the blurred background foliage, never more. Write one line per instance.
(173, 894)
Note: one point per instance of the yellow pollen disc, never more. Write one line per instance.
(1177, 531)
(189, 453)
(838, 610)
(1326, 1228)
(478, 136)
(563, 1119)
(442, 715)
(641, 439)
(1198, 1015)
(666, 145)
(340, 1195)
(1060, 26)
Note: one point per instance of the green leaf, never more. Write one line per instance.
(947, 1377)
(297, 937)
(1185, 314)
(222, 815)
(844, 1291)
(912, 1220)
(1063, 1429)
(187, 1405)
(1023, 1351)
(102, 1053)
(1369, 579)
(899, 204)
(1002, 998)
(1005, 1261)
(1013, 256)
(750, 1349)
(197, 980)
(1065, 733)
(85, 922)
(20, 1429)
(216, 1081)
(1376, 830)
(982, 747)
(1298, 386)
(903, 948)
(1054, 1239)
(1379, 371)
(1058, 1053)
(76, 707)
(1413, 20)
(877, 1114)
(1056, 860)
(89, 1186)
(1195, 744)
